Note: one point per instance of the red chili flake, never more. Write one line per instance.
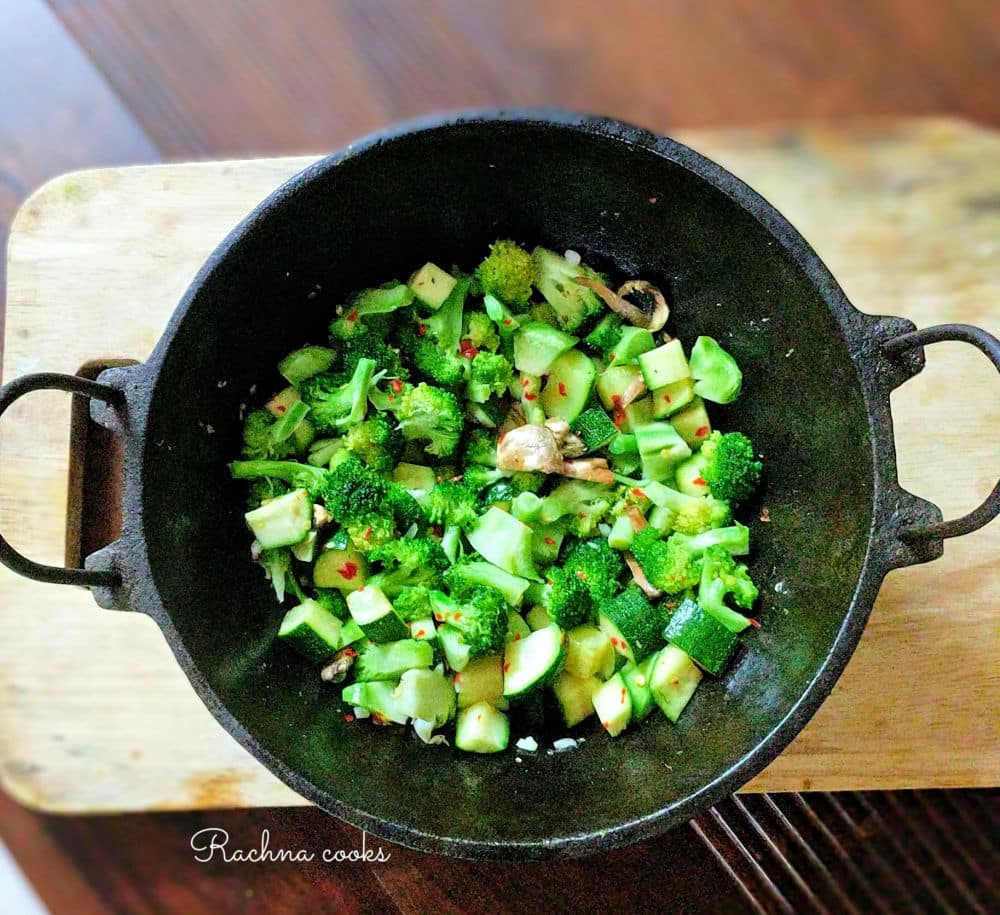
(391, 398)
(562, 389)
(581, 574)
(457, 677)
(530, 396)
(377, 718)
(420, 634)
(281, 408)
(439, 479)
(349, 653)
(503, 435)
(525, 382)
(618, 417)
(550, 541)
(421, 330)
(437, 530)
(517, 636)
(698, 481)
(581, 514)
(368, 533)
(353, 315)
(638, 493)
(701, 431)
(457, 615)
(623, 696)
(616, 400)
(479, 717)
(506, 666)
(348, 570)
(667, 398)
(604, 725)
(765, 515)
(348, 718)
(361, 588)
(396, 385)
(507, 322)
(753, 622)
(611, 358)
(439, 617)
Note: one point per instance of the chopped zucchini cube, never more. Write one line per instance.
(613, 705)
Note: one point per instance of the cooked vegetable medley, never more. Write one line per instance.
(498, 496)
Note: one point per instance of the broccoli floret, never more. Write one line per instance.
(597, 565)
(408, 563)
(370, 532)
(257, 439)
(490, 374)
(528, 481)
(333, 404)
(431, 414)
(490, 414)
(368, 344)
(669, 565)
(277, 565)
(734, 539)
(263, 490)
(568, 599)
(480, 448)
(377, 442)
(480, 332)
(573, 304)
(695, 514)
(728, 466)
(447, 368)
(481, 618)
(586, 503)
(333, 600)
(479, 476)
(412, 603)
(404, 508)
(502, 492)
(507, 488)
(301, 476)
(606, 333)
(721, 575)
(507, 273)
(452, 504)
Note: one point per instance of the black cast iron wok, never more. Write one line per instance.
(441, 191)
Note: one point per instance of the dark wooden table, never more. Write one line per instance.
(97, 82)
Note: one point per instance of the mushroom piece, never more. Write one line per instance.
(336, 670)
(569, 444)
(636, 518)
(595, 470)
(531, 447)
(639, 577)
(321, 517)
(617, 302)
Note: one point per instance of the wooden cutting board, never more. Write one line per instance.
(95, 715)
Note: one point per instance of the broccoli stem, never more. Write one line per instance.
(451, 541)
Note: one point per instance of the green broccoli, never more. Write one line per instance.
(407, 563)
(480, 448)
(568, 599)
(263, 490)
(597, 565)
(257, 439)
(508, 273)
(695, 514)
(481, 618)
(300, 476)
(431, 414)
(369, 344)
(572, 303)
(433, 343)
(377, 442)
(481, 332)
(333, 404)
(490, 414)
(728, 466)
(669, 565)
(735, 539)
(405, 508)
(490, 374)
(586, 503)
(479, 476)
(721, 575)
(413, 603)
(452, 504)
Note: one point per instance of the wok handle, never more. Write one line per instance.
(988, 344)
(13, 391)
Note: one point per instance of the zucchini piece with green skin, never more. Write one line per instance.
(373, 612)
(350, 633)
(545, 545)
(427, 695)
(305, 549)
(613, 382)
(634, 625)
(664, 365)
(455, 651)
(432, 285)
(353, 694)
(622, 533)
(512, 587)
(480, 728)
(692, 423)
(589, 653)
(688, 476)
(286, 425)
(345, 569)
(717, 377)
(661, 518)
(517, 628)
(594, 428)
(638, 413)
(312, 630)
(673, 681)
(613, 705)
(670, 398)
(381, 698)
(481, 681)
(538, 618)
(278, 405)
(569, 385)
(661, 439)
(537, 346)
(383, 299)
(533, 663)
(284, 521)
(575, 697)
(416, 479)
(305, 362)
(703, 638)
(503, 540)
(632, 342)
(637, 682)
(389, 660)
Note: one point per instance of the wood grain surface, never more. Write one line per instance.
(905, 213)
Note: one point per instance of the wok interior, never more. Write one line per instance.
(443, 195)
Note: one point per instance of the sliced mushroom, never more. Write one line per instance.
(617, 302)
(595, 470)
(639, 577)
(531, 447)
(515, 417)
(336, 670)
(636, 518)
(321, 517)
(569, 444)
